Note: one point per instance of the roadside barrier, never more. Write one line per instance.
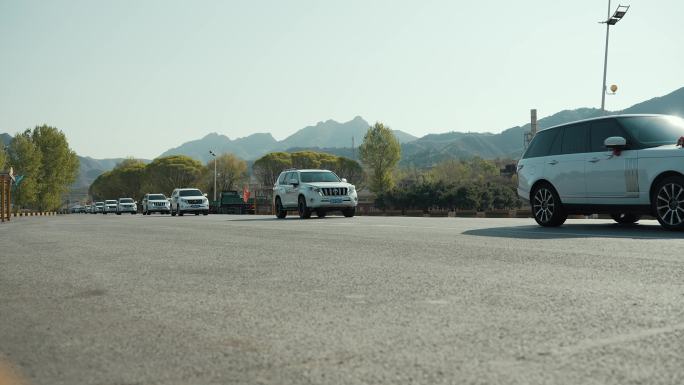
(515, 213)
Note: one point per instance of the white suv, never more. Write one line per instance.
(155, 203)
(109, 206)
(313, 190)
(189, 200)
(126, 205)
(622, 165)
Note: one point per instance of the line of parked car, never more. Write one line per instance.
(182, 201)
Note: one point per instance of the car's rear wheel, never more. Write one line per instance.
(625, 218)
(349, 212)
(304, 211)
(280, 212)
(547, 208)
(668, 203)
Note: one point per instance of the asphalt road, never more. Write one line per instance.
(123, 300)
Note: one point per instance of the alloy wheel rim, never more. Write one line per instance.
(670, 204)
(544, 205)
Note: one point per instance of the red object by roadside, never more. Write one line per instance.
(680, 141)
(245, 194)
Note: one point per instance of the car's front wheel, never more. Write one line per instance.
(280, 211)
(668, 203)
(304, 211)
(546, 206)
(625, 218)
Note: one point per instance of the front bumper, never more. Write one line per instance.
(332, 202)
(186, 207)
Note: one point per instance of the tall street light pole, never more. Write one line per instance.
(214, 155)
(610, 20)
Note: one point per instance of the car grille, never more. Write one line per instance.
(195, 201)
(334, 191)
(159, 204)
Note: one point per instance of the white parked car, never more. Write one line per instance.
(126, 205)
(155, 203)
(98, 207)
(623, 165)
(313, 190)
(189, 200)
(109, 206)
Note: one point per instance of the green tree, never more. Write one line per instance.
(25, 157)
(267, 168)
(231, 171)
(3, 158)
(165, 174)
(59, 166)
(380, 152)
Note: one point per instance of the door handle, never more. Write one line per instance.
(553, 162)
(594, 160)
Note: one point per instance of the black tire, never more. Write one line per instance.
(304, 210)
(625, 218)
(118, 213)
(667, 202)
(546, 206)
(321, 213)
(178, 211)
(350, 212)
(205, 213)
(280, 212)
(173, 213)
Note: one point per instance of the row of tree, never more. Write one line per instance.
(46, 167)
(267, 168)
(133, 178)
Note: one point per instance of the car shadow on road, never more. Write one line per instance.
(293, 218)
(599, 230)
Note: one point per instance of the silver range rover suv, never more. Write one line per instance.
(623, 165)
(313, 190)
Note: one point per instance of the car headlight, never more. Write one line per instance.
(352, 189)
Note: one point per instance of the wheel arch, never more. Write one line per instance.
(540, 182)
(658, 179)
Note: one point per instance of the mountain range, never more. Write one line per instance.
(336, 138)
(324, 134)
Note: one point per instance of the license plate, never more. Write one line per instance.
(195, 206)
(336, 200)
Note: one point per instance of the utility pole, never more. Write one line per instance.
(214, 155)
(610, 20)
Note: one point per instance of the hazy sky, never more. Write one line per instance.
(135, 78)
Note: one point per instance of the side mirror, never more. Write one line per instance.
(344, 180)
(615, 142)
(205, 194)
(294, 183)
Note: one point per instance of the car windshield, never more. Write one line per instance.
(156, 197)
(110, 202)
(652, 131)
(190, 193)
(319, 176)
(125, 200)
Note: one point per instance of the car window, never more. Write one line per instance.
(557, 142)
(541, 144)
(281, 178)
(602, 129)
(651, 131)
(575, 139)
(293, 178)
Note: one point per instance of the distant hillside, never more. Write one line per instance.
(250, 147)
(328, 134)
(6, 139)
(90, 168)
